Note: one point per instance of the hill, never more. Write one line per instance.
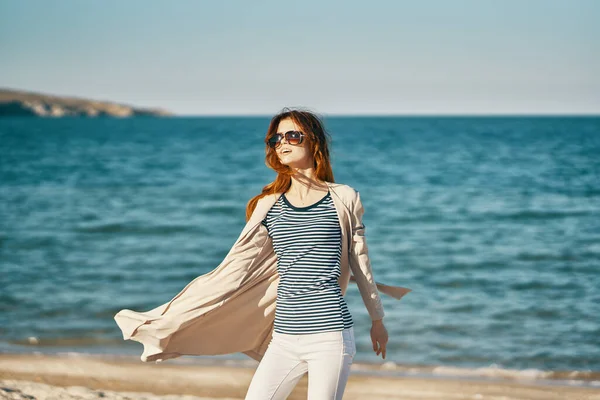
(22, 103)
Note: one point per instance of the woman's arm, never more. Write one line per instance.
(360, 264)
(363, 274)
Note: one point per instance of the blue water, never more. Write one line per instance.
(493, 222)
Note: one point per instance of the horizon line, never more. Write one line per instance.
(266, 115)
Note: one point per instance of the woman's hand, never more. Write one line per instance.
(379, 337)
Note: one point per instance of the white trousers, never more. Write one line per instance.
(326, 356)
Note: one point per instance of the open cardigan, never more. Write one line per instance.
(231, 309)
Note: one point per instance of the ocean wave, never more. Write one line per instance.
(131, 229)
(526, 215)
(493, 371)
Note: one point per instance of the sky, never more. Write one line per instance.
(425, 57)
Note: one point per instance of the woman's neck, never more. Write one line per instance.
(302, 185)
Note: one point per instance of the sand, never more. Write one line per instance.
(75, 377)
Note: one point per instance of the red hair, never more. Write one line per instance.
(317, 137)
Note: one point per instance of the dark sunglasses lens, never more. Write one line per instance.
(293, 137)
(273, 140)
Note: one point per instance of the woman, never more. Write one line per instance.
(313, 329)
(278, 294)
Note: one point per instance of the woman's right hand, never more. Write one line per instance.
(379, 337)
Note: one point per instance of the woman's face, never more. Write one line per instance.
(299, 156)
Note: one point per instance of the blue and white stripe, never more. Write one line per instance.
(307, 241)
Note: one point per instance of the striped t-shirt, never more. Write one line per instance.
(307, 242)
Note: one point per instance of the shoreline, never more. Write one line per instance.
(491, 373)
(96, 374)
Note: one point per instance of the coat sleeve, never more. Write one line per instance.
(361, 265)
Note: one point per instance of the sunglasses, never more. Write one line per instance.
(292, 137)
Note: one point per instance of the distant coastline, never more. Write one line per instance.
(19, 103)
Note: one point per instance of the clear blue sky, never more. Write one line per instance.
(342, 57)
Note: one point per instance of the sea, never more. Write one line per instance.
(493, 222)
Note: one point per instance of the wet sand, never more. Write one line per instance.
(75, 377)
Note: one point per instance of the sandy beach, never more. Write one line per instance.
(73, 377)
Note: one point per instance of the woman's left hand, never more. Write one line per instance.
(379, 337)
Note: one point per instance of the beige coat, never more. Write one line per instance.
(231, 309)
